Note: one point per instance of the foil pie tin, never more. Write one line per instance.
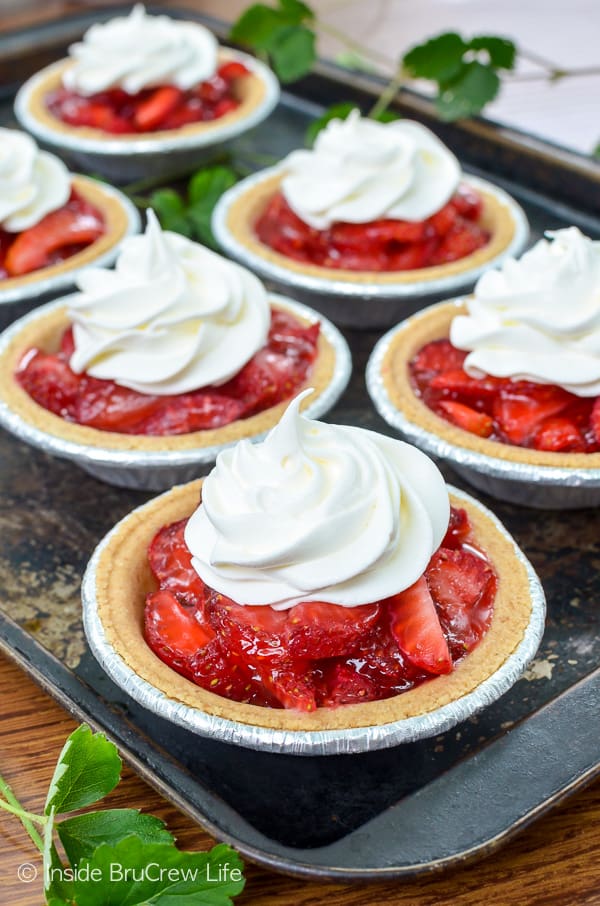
(46, 286)
(360, 304)
(126, 159)
(323, 742)
(156, 470)
(525, 484)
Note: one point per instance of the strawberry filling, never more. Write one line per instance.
(271, 376)
(521, 413)
(57, 236)
(381, 245)
(317, 654)
(162, 107)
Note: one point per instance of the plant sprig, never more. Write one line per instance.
(114, 857)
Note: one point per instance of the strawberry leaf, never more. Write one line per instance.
(82, 834)
(468, 93)
(296, 10)
(255, 26)
(205, 189)
(136, 873)
(292, 50)
(439, 58)
(501, 52)
(88, 769)
(170, 210)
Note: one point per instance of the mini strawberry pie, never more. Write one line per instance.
(51, 222)
(512, 372)
(371, 203)
(143, 76)
(326, 580)
(176, 349)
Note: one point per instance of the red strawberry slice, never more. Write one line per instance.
(174, 632)
(559, 435)
(595, 420)
(382, 232)
(317, 630)
(520, 409)
(171, 564)
(291, 684)
(32, 248)
(435, 358)
(471, 389)
(151, 112)
(416, 628)
(232, 70)
(466, 418)
(459, 529)
(50, 382)
(345, 686)
(468, 203)
(110, 407)
(256, 632)
(462, 239)
(444, 220)
(212, 90)
(463, 586)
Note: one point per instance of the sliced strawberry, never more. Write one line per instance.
(443, 220)
(225, 673)
(171, 564)
(595, 420)
(459, 529)
(50, 382)
(520, 409)
(410, 256)
(559, 435)
(317, 630)
(211, 90)
(110, 407)
(435, 358)
(416, 628)
(382, 232)
(64, 227)
(463, 586)
(291, 684)
(151, 112)
(462, 239)
(174, 632)
(224, 106)
(468, 388)
(346, 686)
(466, 418)
(256, 632)
(233, 70)
(467, 203)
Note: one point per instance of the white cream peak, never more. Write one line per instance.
(361, 170)
(32, 182)
(317, 512)
(172, 317)
(538, 318)
(140, 51)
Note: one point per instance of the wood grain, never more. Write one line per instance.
(553, 862)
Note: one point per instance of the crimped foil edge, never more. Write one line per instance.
(324, 742)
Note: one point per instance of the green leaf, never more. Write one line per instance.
(469, 92)
(170, 210)
(596, 151)
(387, 116)
(135, 873)
(339, 111)
(81, 835)
(501, 51)
(88, 768)
(439, 59)
(205, 189)
(295, 11)
(255, 26)
(292, 50)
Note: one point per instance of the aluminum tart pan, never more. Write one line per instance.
(361, 304)
(124, 160)
(46, 286)
(524, 484)
(156, 470)
(323, 742)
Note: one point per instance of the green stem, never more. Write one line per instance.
(389, 93)
(25, 817)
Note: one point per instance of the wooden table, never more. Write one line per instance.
(553, 862)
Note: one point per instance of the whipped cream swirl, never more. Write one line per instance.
(172, 317)
(361, 170)
(138, 51)
(538, 318)
(317, 512)
(32, 182)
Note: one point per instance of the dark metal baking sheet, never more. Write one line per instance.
(407, 810)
